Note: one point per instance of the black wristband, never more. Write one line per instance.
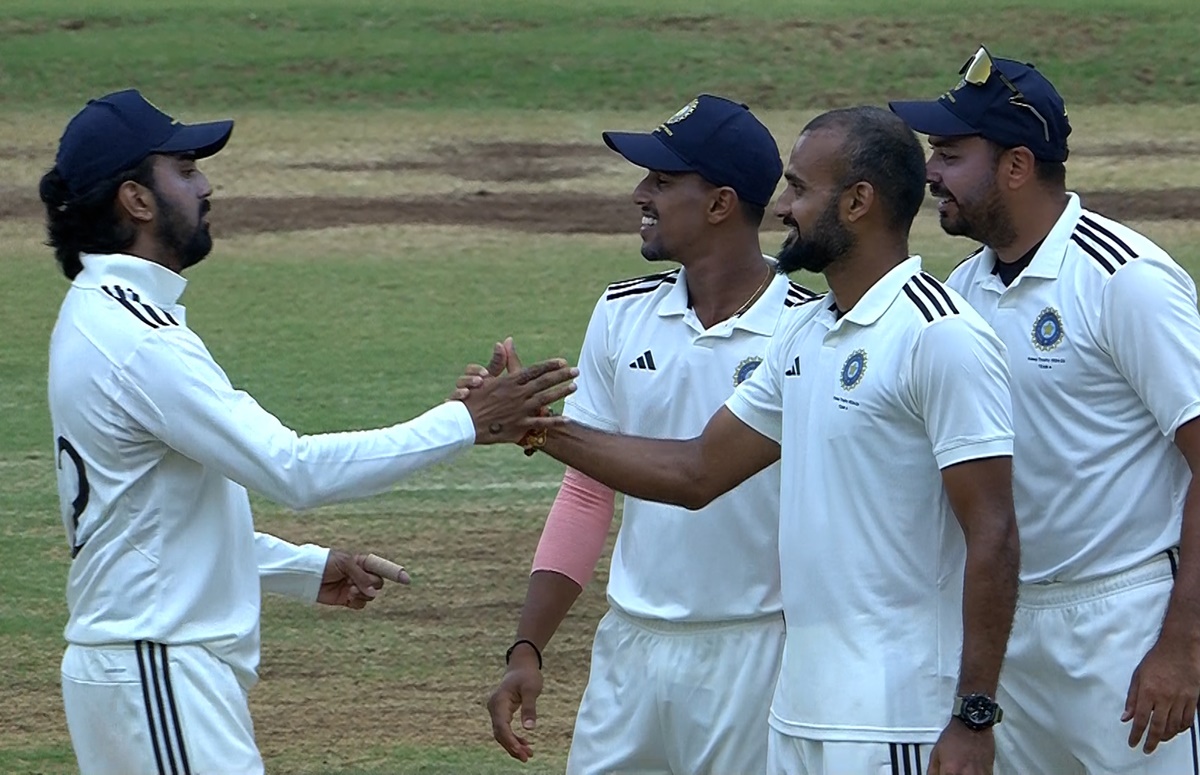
(532, 645)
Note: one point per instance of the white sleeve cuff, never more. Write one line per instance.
(975, 450)
(573, 411)
(290, 570)
(457, 412)
(763, 423)
(309, 584)
(1191, 412)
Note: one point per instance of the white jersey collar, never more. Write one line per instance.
(676, 300)
(155, 282)
(880, 296)
(761, 318)
(1048, 260)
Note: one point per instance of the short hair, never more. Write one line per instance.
(1052, 174)
(879, 148)
(88, 223)
(753, 213)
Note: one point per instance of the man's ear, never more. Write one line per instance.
(724, 204)
(136, 201)
(1017, 167)
(857, 201)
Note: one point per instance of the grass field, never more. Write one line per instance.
(410, 181)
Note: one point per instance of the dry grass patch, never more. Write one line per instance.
(424, 658)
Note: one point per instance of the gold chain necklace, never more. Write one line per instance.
(754, 296)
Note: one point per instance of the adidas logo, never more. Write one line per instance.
(794, 369)
(645, 362)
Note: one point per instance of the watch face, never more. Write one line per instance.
(979, 710)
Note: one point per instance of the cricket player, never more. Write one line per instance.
(684, 662)
(1103, 343)
(887, 403)
(155, 451)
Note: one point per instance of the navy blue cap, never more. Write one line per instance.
(116, 132)
(1002, 100)
(716, 138)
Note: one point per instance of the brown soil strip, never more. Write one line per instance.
(493, 162)
(1140, 149)
(557, 213)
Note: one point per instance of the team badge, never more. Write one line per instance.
(853, 369)
(683, 112)
(745, 369)
(1047, 330)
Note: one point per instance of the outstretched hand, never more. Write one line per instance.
(504, 359)
(507, 399)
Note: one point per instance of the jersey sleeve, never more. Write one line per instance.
(171, 386)
(758, 401)
(959, 385)
(1150, 326)
(593, 403)
(287, 569)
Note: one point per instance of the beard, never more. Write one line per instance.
(828, 241)
(653, 251)
(981, 215)
(189, 244)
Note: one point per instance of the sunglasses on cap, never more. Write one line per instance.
(980, 68)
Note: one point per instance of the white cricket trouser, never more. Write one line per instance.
(148, 709)
(788, 755)
(681, 698)
(1072, 653)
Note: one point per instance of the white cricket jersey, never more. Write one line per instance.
(649, 368)
(155, 450)
(868, 409)
(1103, 342)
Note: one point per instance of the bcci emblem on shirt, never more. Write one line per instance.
(745, 369)
(853, 369)
(1047, 330)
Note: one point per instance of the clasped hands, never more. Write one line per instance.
(509, 402)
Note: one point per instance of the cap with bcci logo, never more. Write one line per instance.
(114, 133)
(1002, 100)
(718, 139)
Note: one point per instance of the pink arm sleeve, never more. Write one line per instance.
(573, 538)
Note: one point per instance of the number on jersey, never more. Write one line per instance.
(65, 448)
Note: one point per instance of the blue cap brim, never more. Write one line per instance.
(932, 118)
(201, 139)
(646, 151)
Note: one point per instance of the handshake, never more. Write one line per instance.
(511, 403)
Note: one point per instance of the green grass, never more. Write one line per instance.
(345, 340)
(538, 54)
(348, 337)
(360, 327)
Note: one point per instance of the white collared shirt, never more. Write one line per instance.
(155, 450)
(868, 409)
(649, 367)
(1103, 342)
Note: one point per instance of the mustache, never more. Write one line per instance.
(205, 206)
(940, 191)
(791, 224)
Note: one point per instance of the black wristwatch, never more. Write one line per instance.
(977, 711)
